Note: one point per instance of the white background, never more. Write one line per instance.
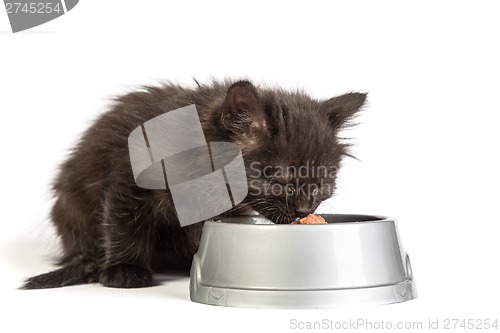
(427, 143)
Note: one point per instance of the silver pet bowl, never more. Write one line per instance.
(352, 260)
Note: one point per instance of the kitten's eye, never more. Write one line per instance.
(290, 190)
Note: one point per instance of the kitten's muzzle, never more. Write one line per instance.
(300, 213)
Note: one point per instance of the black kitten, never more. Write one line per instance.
(118, 234)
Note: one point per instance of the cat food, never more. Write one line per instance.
(311, 219)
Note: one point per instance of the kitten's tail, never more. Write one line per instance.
(78, 270)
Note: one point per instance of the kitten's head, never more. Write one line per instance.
(290, 144)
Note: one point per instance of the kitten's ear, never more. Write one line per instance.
(342, 108)
(242, 109)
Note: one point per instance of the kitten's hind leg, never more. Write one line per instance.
(128, 242)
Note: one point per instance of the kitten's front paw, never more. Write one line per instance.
(126, 276)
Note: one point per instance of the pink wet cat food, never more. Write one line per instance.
(311, 219)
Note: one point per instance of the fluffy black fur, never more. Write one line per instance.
(118, 234)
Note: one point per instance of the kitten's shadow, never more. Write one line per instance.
(162, 278)
(173, 285)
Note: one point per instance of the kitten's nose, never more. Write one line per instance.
(302, 212)
(303, 206)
